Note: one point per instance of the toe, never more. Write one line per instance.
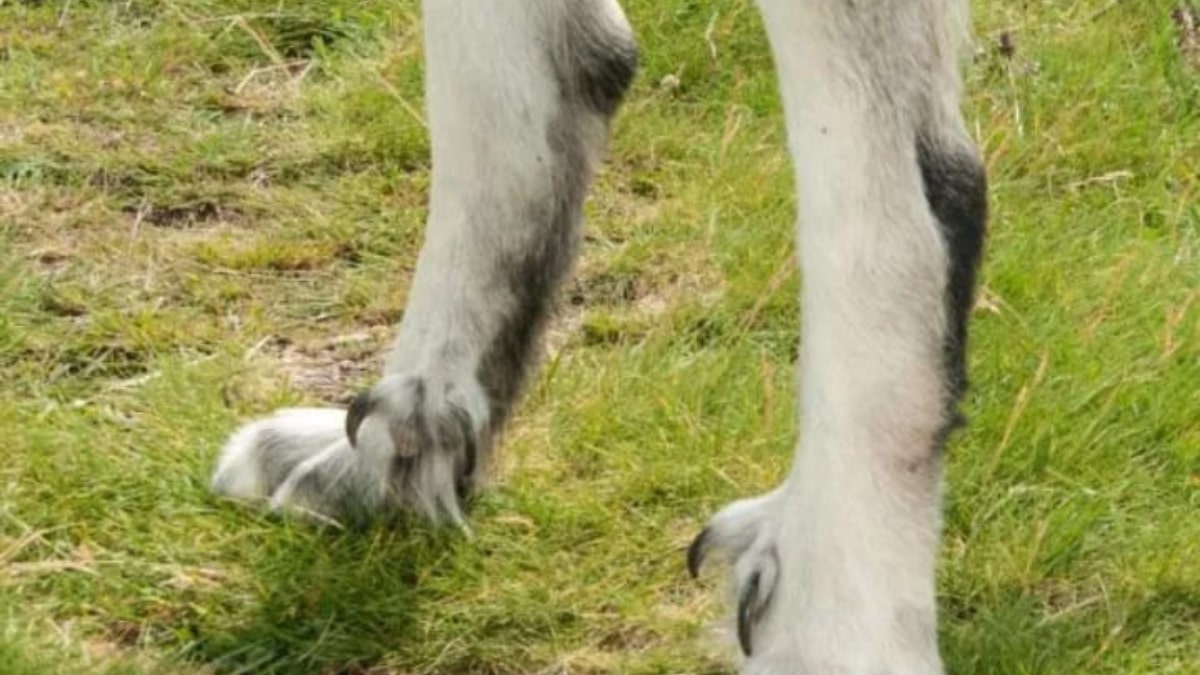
(758, 573)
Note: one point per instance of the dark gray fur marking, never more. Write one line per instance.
(599, 65)
(956, 188)
(593, 68)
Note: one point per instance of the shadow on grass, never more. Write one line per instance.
(333, 601)
(1014, 632)
(342, 603)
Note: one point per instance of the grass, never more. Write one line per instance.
(211, 208)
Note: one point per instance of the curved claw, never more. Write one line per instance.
(748, 612)
(697, 552)
(470, 448)
(359, 408)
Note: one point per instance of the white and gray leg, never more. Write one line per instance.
(835, 568)
(520, 93)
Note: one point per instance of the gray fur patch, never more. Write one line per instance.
(593, 67)
(956, 189)
(597, 64)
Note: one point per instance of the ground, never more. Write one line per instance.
(211, 208)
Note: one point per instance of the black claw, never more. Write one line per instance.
(470, 447)
(360, 407)
(697, 552)
(748, 612)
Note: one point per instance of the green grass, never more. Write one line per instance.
(211, 208)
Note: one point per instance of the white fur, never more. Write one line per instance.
(499, 131)
(238, 474)
(843, 551)
(857, 530)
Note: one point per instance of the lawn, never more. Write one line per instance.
(211, 208)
